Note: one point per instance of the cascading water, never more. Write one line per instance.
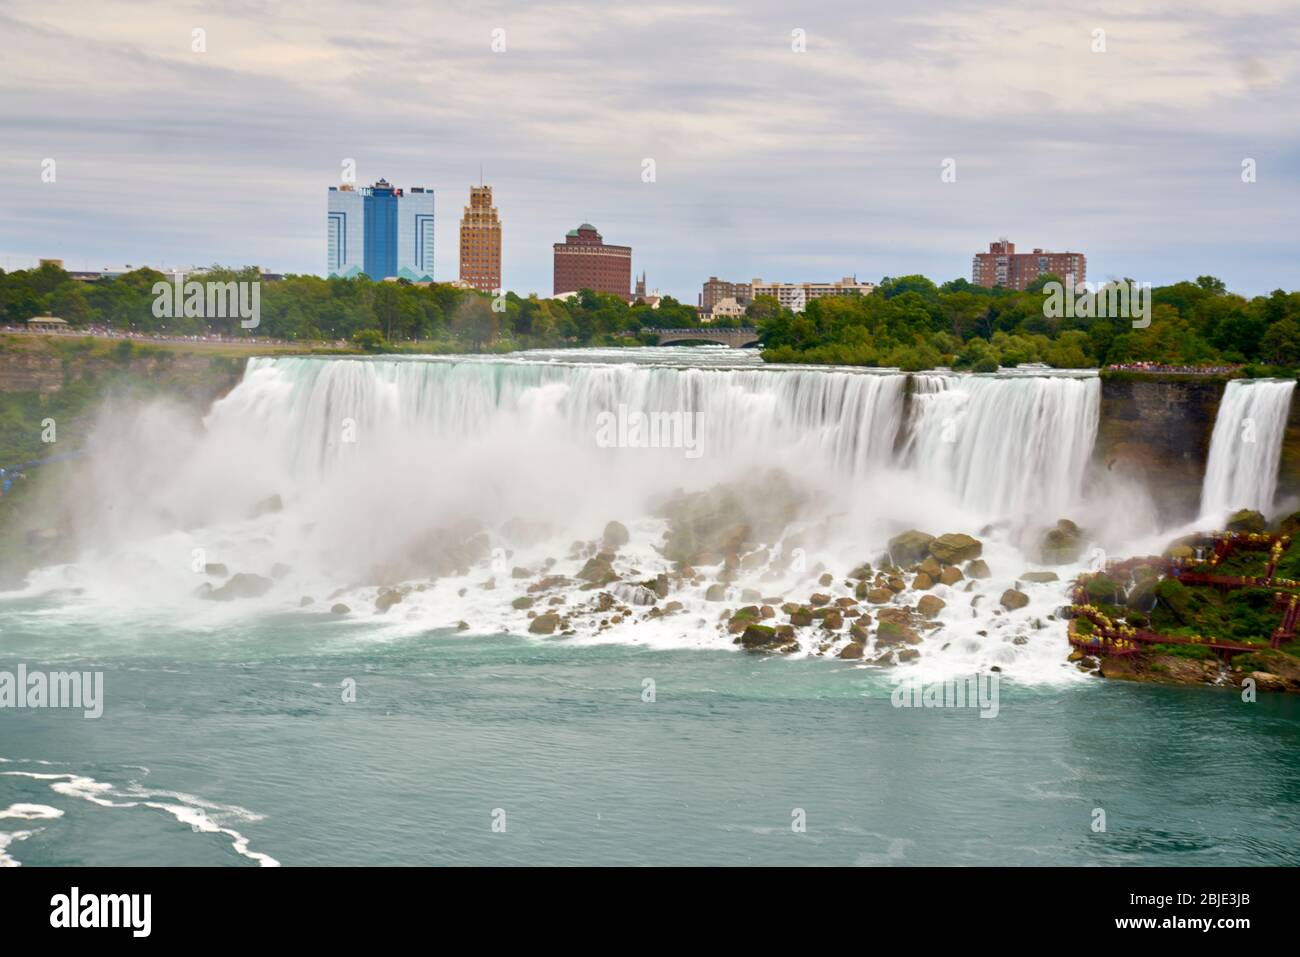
(372, 461)
(1005, 445)
(1245, 447)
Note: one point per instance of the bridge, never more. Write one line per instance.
(735, 338)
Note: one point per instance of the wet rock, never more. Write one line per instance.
(462, 626)
(1061, 545)
(833, 621)
(1245, 520)
(1013, 599)
(853, 651)
(522, 603)
(826, 580)
(979, 568)
(956, 547)
(615, 536)
(817, 599)
(544, 624)
(910, 547)
(1103, 590)
(1040, 577)
(216, 570)
(922, 582)
(520, 572)
(547, 583)
(878, 596)
(896, 626)
(716, 593)
(766, 638)
(597, 571)
(930, 606)
(242, 585)
(634, 594)
(387, 598)
(338, 608)
(863, 571)
(950, 575)
(930, 567)
(1142, 596)
(801, 617)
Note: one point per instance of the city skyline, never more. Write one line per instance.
(798, 165)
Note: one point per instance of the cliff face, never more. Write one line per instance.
(1158, 432)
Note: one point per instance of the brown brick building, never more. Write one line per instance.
(584, 261)
(1003, 266)
(480, 242)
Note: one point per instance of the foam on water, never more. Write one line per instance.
(200, 815)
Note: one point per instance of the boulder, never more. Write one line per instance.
(615, 536)
(1245, 520)
(522, 603)
(1040, 577)
(387, 598)
(956, 547)
(833, 621)
(930, 606)
(767, 638)
(894, 631)
(852, 651)
(339, 608)
(242, 585)
(802, 617)
(910, 547)
(1103, 590)
(1013, 599)
(878, 596)
(634, 594)
(950, 575)
(1142, 596)
(922, 582)
(1289, 525)
(931, 567)
(979, 568)
(1061, 545)
(864, 570)
(716, 593)
(216, 570)
(597, 571)
(544, 624)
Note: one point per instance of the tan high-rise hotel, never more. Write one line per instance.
(480, 242)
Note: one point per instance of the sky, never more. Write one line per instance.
(789, 141)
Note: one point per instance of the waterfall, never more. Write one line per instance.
(838, 420)
(996, 445)
(1245, 447)
(1005, 444)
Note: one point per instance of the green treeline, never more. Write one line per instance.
(372, 314)
(911, 323)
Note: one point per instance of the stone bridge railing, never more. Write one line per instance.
(735, 338)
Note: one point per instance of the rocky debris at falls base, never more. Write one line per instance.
(721, 545)
(721, 562)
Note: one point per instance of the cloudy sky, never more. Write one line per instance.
(768, 161)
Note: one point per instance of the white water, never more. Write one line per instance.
(372, 457)
(1245, 448)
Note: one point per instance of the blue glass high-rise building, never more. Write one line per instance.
(380, 230)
